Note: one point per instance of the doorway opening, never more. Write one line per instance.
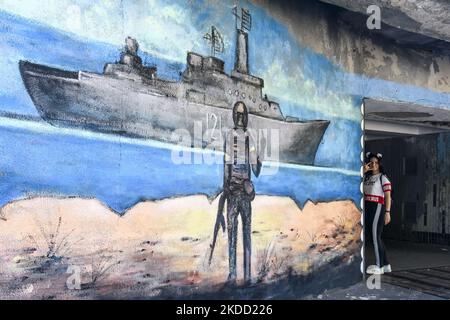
(414, 141)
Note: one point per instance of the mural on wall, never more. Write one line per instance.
(132, 179)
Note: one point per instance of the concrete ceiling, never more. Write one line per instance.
(403, 37)
(423, 24)
(426, 17)
(388, 119)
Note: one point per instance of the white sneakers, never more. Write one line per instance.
(387, 268)
(374, 269)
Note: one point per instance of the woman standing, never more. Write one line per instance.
(377, 208)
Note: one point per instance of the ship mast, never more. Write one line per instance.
(216, 40)
(245, 18)
(241, 59)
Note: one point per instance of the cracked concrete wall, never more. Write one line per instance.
(428, 17)
(358, 50)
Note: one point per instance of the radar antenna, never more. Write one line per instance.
(216, 40)
(245, 18)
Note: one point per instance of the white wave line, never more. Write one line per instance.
(47, 128)
(311, 168)
(90, 135)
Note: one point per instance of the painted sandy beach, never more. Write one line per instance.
(159, 250)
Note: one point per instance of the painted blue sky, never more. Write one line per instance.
(168, 29)
(85, 34)
(72, 162)
(294, 76)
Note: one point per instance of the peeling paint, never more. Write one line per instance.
(358, 50)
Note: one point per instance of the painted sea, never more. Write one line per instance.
(38, 159)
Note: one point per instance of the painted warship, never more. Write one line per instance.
(129, 98)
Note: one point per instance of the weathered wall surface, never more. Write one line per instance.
(122, 172)
(386, 70)
(429, 17)
(358, 50)
(313, 64)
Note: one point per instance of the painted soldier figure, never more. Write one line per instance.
(241, 158)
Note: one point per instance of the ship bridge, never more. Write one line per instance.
(207, 82)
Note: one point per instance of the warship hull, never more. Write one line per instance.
(102, 103)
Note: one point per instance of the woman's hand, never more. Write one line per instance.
(367, 167)
(387, 218)
(388, 201)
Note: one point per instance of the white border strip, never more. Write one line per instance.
(363, 265)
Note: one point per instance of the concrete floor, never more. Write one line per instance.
(360, 291)
(404, 255)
